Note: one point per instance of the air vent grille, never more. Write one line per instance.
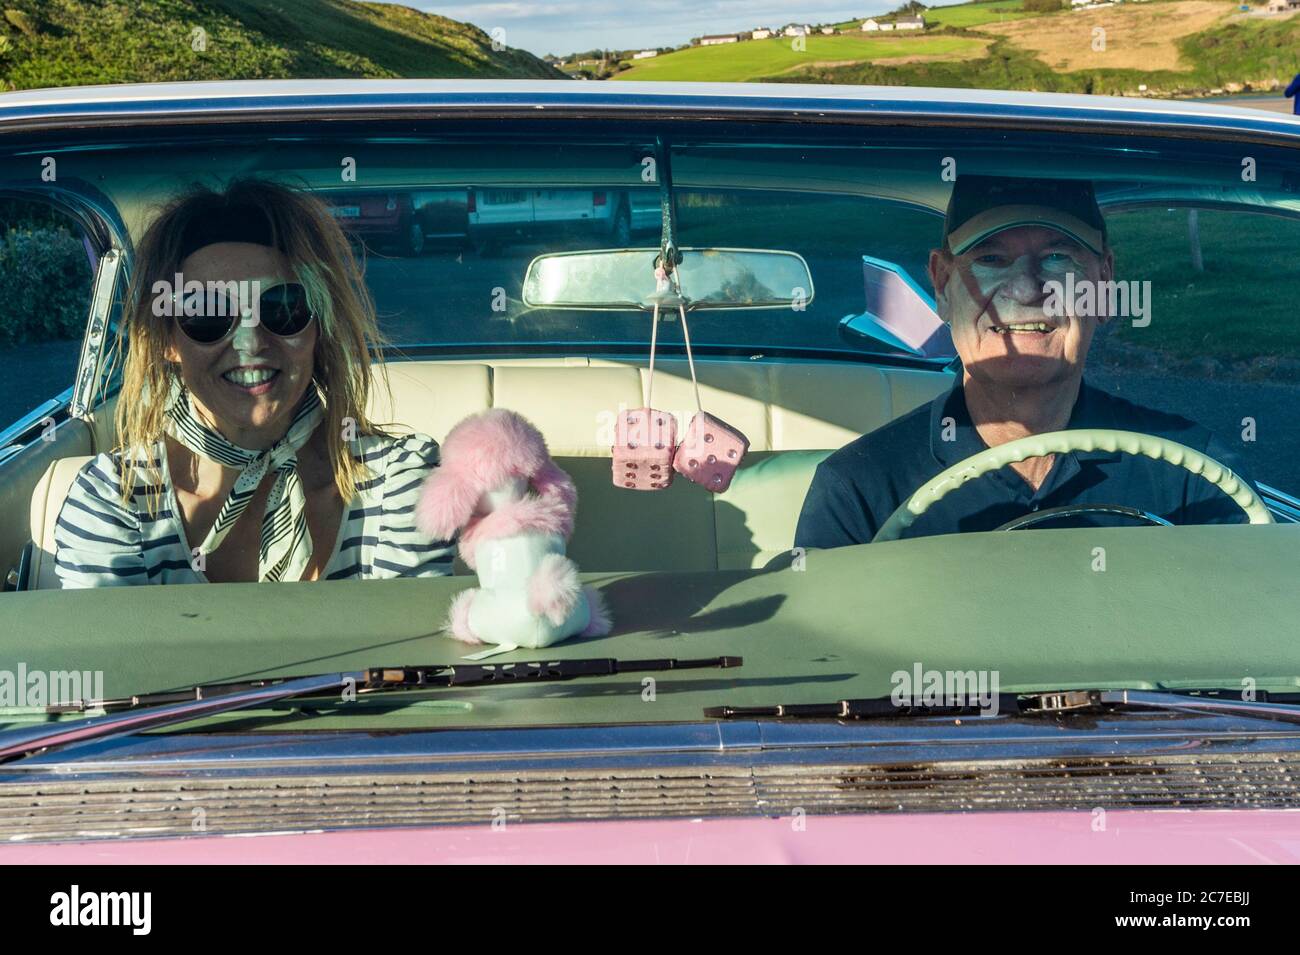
(64, 810)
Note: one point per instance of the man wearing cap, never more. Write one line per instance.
(1007, 243)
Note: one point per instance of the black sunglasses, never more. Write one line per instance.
(207, 316)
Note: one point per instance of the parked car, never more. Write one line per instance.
(1144, 675)
(383, 218)
(497, 216)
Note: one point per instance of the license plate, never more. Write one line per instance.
(345, 212)
(502, 198)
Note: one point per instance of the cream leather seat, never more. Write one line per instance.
(794, 414)
(47, 501)
(780, 406)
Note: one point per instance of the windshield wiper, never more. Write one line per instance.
(877, 707)
(437, 675)
(1215, 700)
(1220, 702)
(148, 711)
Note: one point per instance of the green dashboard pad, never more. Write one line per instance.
(1139, 607)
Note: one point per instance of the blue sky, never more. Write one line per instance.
(566, 26)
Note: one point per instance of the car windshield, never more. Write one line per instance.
(1130, 297)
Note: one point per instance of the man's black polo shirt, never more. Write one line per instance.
(856, 489)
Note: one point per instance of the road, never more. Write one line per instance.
(1273, 102)
(29, 374)
(1273, 457)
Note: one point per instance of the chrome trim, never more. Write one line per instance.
(1070, 510)
(91, 364)
(274, 101)
(250, 95)
(740, 743)
(72, 809)
(1280, 503)
(139, 786)
(10, 437)
(17, 742)
(1283, 712)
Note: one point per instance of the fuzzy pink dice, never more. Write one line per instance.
(644, 440)
(710, 452)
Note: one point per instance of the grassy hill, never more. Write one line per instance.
(45, 43)
(966, 15)
(1171, 47)
(1141, 36)
(1245, 51)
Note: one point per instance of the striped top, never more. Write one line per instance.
(100, 542)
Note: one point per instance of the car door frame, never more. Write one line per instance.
(64, 425)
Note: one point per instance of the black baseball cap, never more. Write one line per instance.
(981, 206)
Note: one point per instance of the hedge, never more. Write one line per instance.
(45, 281)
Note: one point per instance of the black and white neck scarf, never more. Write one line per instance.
(286, 543)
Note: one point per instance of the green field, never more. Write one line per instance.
(759, 59)
(958, 50)
(967, 15)
(962, 15)
(1238, 308)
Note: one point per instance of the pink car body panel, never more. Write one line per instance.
(1117, 836)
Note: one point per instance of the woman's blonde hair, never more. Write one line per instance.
(319, 256)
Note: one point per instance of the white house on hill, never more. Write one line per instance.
(902, 23)
(717, 40)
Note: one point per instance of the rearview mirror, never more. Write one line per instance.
(709, 278)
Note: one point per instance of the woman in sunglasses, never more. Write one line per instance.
(245, 451)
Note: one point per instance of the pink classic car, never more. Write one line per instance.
(1119, 682)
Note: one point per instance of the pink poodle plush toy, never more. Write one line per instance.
(514, 509)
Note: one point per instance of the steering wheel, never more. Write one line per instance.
(1063, 442)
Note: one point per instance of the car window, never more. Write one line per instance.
(423, 298)
(446, 219)
(45, 282)
(1219, 340)
(447, 222)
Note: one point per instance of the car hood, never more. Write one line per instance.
(1137, 607)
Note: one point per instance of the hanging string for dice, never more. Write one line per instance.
(665, 284)
(645, 453)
